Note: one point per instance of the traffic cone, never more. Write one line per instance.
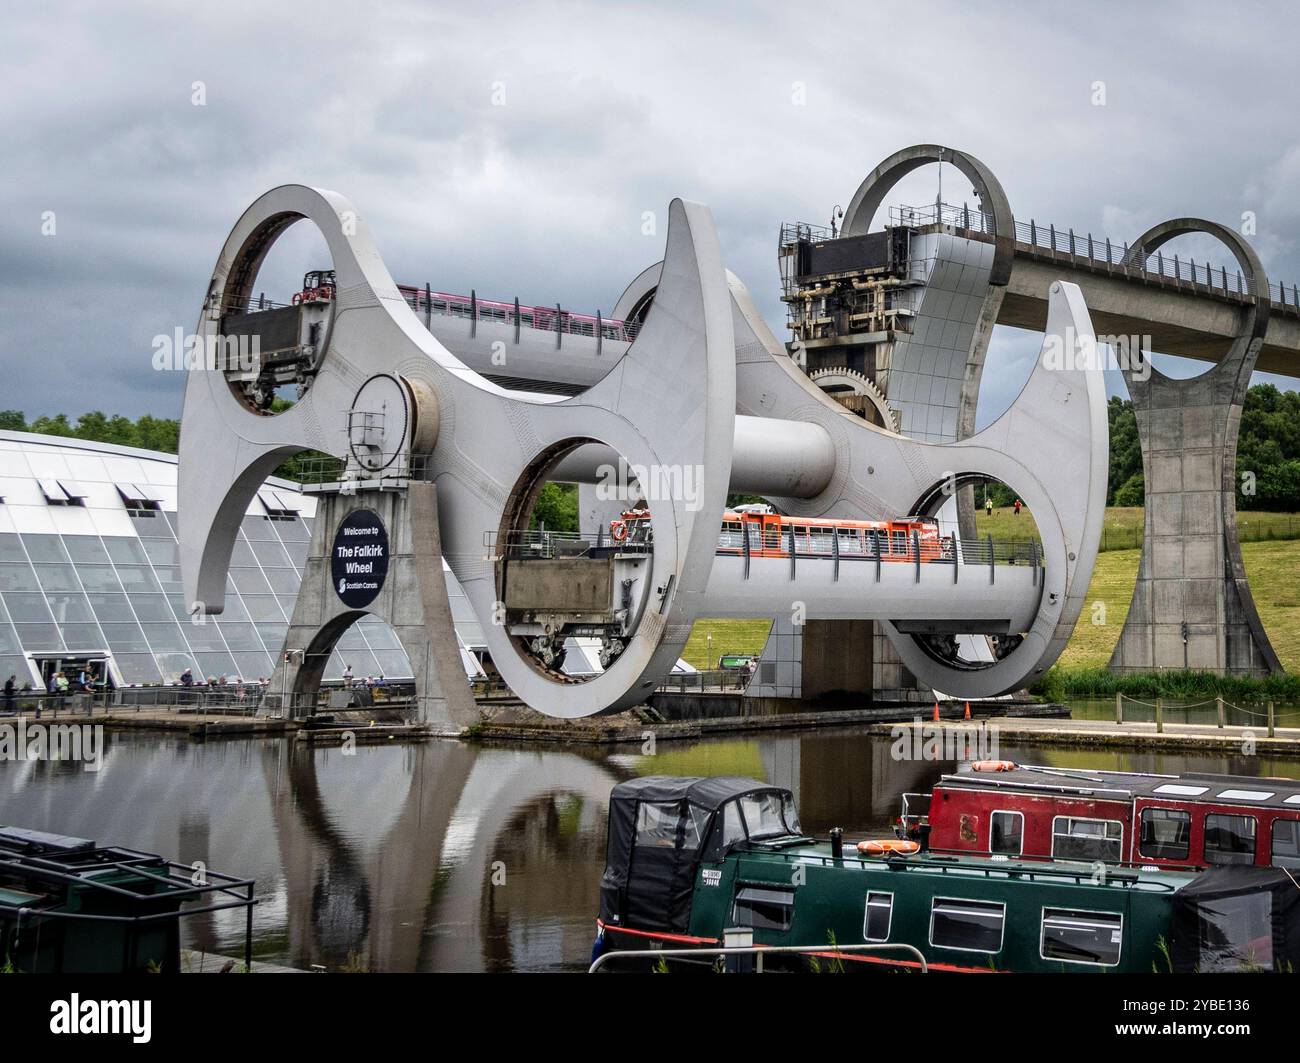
(936, 712)
(967, 710)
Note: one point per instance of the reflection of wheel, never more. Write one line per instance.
(841, 381)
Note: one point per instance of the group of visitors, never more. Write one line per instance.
(59, 685)
(988, 506)
(187, 679)
(11, 692)
(370, 682)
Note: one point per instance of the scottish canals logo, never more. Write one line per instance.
(359, 562)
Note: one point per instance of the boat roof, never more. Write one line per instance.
(712, 792)
(977, 865)
(1204, 787)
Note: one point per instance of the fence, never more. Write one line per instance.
(1248, 531)
(714, 679)
(1216, 711)
(541, 318)
(208, 701)
(1099, 251)
(757, 953)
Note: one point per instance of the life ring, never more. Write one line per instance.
(618, 530)
(883, 846)
(297, 298)
(993, 765)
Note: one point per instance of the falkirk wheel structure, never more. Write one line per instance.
(445, 426)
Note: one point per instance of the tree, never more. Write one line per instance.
(1132, 492)
(1268, 450)
(13, 421)
(556, 508)
(1125, 452)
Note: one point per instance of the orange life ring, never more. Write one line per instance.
(297, 298)
(881, 846)
(993, 765)
(617, 530)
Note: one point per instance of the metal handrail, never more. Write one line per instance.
(183, 890)
(1096, 250)
(541, 318)
(967, 861)
(526, 543)
(759, 951)
(323, 469)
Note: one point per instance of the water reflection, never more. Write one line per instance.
(443, 856)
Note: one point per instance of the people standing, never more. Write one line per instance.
(1017, 507)
(988, 506)
(9, 693)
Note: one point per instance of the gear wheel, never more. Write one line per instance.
(842, 379)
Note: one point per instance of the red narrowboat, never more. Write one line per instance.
(1197, 819)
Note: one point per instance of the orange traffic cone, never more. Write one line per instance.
(967, 710)
(936, 712)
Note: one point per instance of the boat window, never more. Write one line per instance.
(1082, 937)
(728, 829)
(763, 909)
(656, 824)
(1166, 834)
(1246, 795)
(763, 815)
(1178, 790)
(1087, 839)
(1007, 833)
(1294, 799)
(972, 926)
(879, 916)
(1235, 932)
(730, 536)
(791, 816)
(850, 543)
(1229, 839)
(820, 540)
(697, 822)
(1286, 843)
(900, 542)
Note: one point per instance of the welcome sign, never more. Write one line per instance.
(359, 562)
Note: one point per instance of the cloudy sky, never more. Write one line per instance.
(513, 148)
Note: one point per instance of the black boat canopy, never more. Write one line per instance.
(660, 827)
(1238, 919)
(711, 793)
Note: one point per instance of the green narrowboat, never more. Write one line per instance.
(69, 906)
(691, 860)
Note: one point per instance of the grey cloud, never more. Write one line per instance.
(611, 111)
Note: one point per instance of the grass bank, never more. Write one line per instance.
(1123, 526)
(1272, 567)
(1066, 684)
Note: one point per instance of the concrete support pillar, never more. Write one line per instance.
(412, 600)
(1192, 606)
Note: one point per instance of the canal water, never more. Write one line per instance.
(442, 856)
